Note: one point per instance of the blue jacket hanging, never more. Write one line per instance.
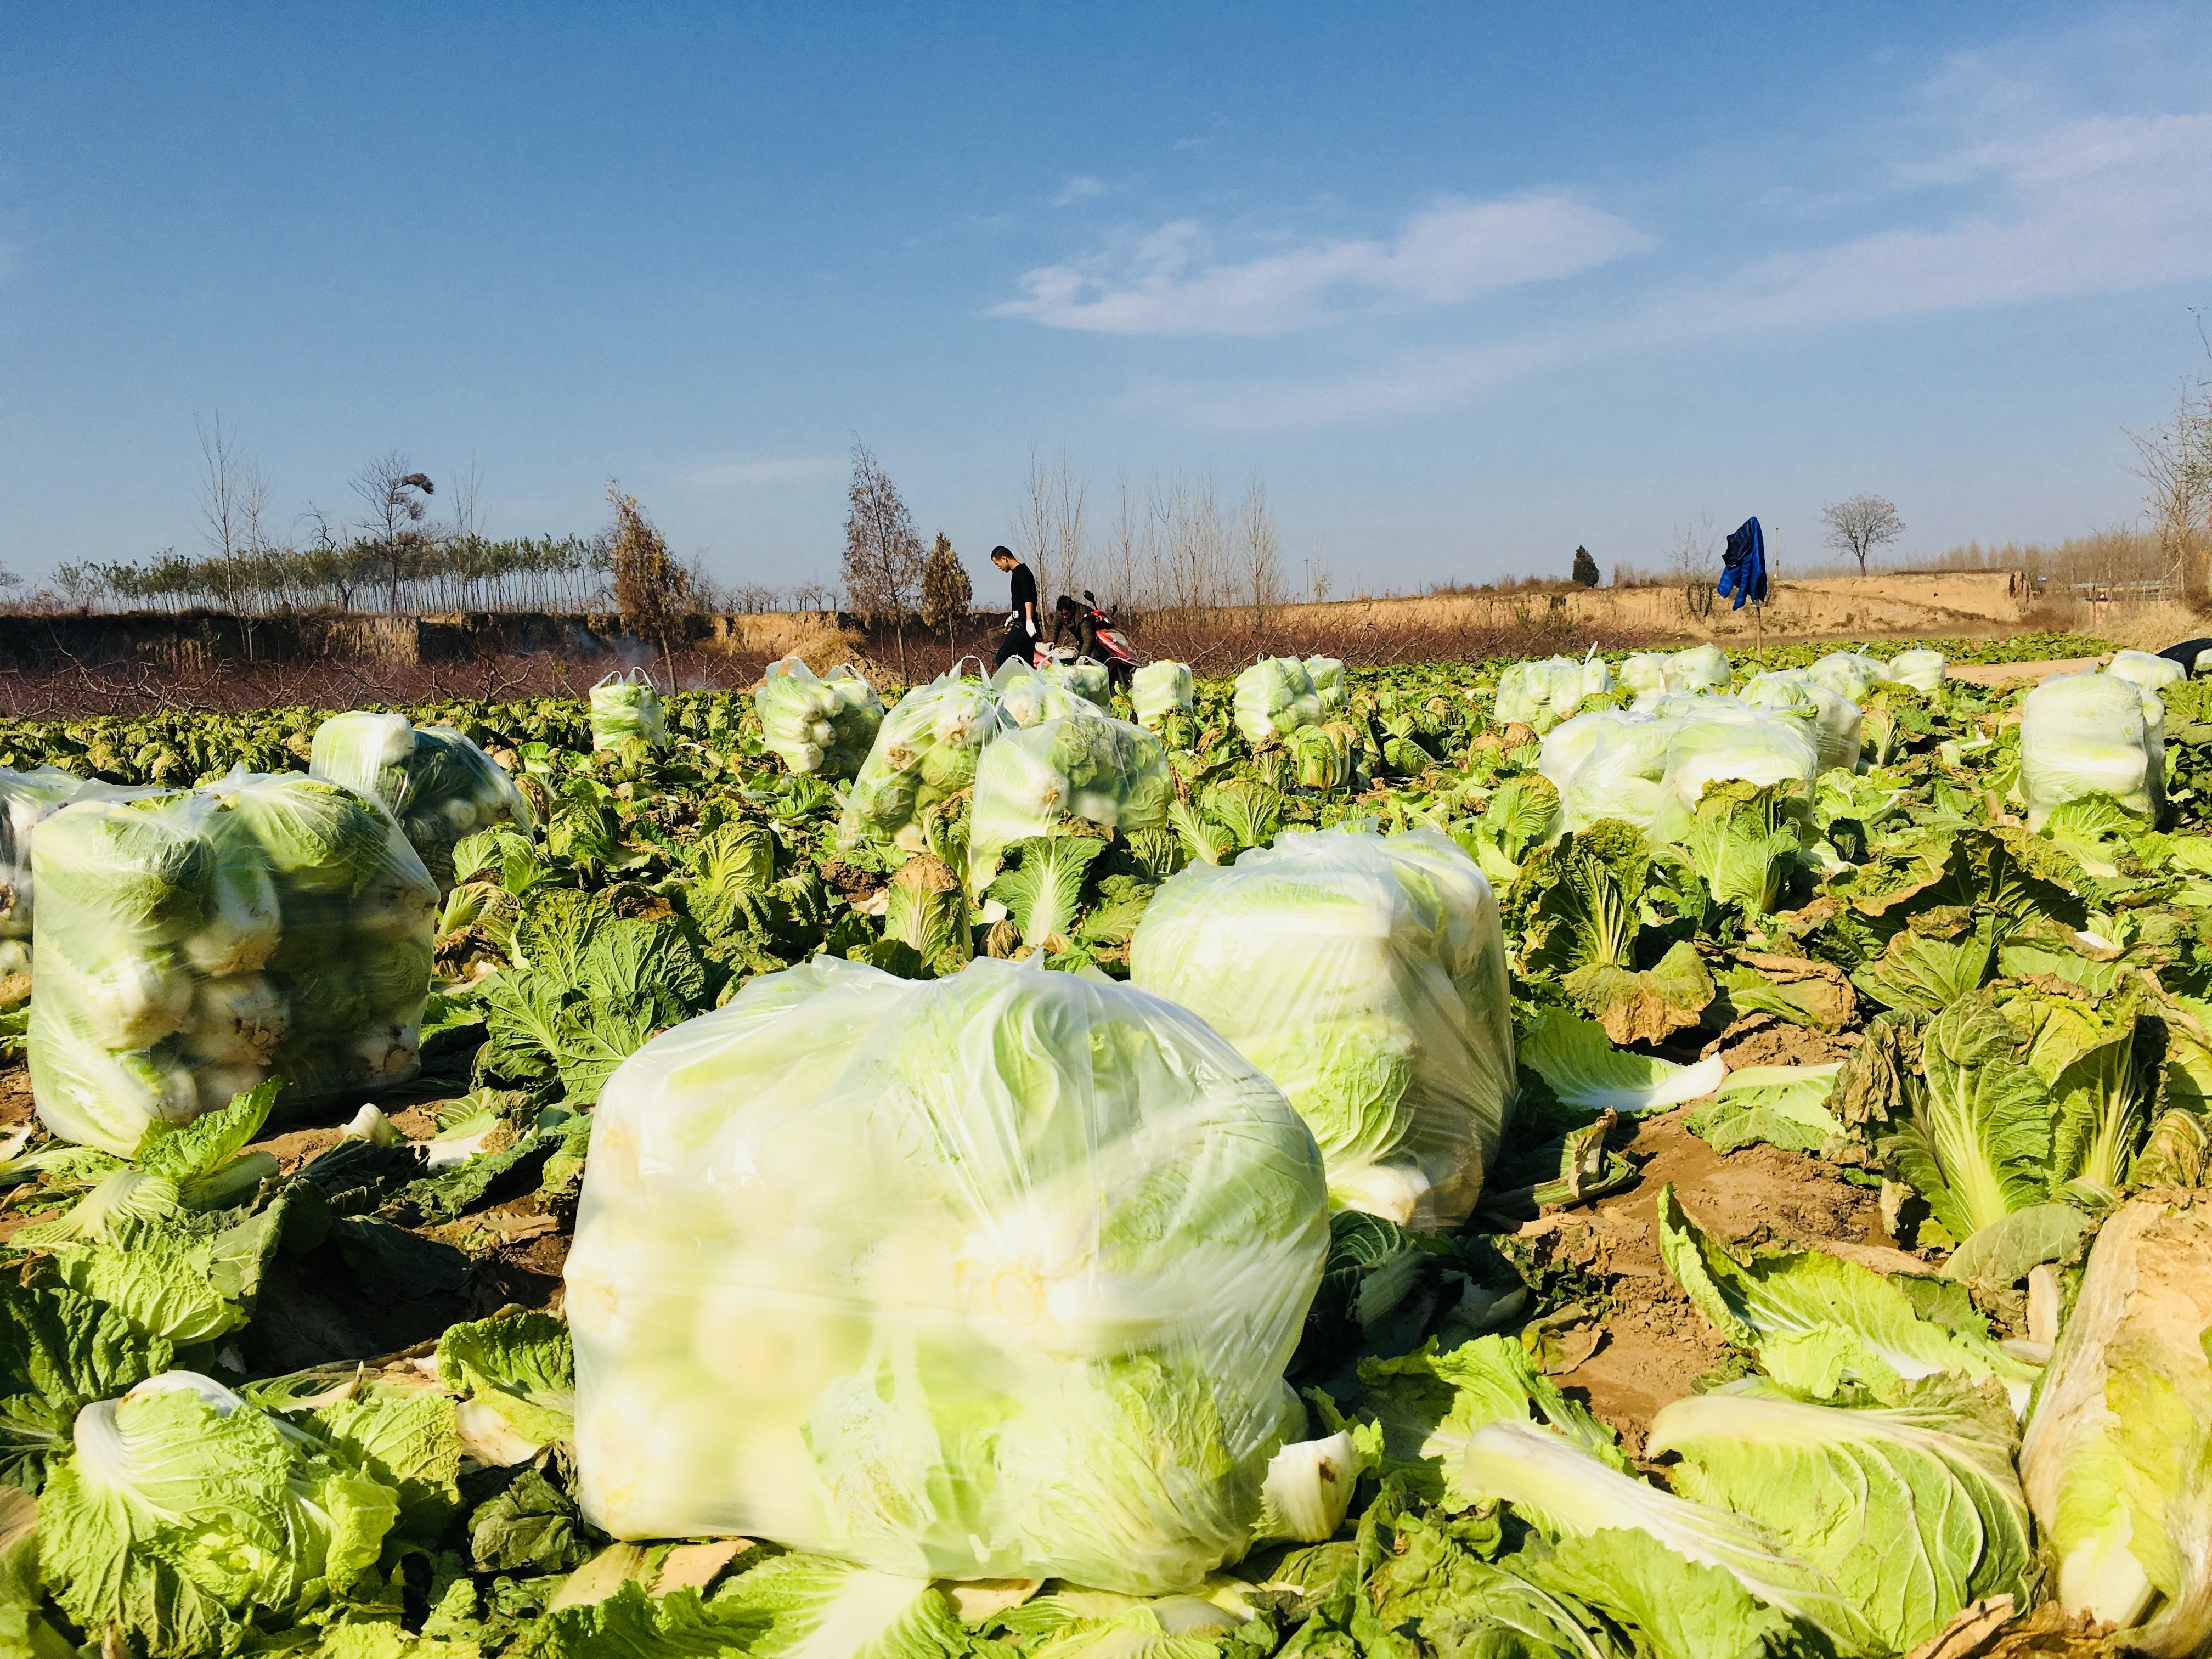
(1743, 566)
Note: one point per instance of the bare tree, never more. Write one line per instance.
(883, 555)
(1696, 548)
(397, 498)
(2175, 461)
(1259, 555)
(650, 589)
(1860, 525)
(1049, 530)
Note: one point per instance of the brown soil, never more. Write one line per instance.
(1655, 1345)
(1764, 1039)
(2012, 673)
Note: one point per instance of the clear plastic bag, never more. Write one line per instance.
(1273, 698)
(925, 751)
(1365, 974)
(1700, 668)
(1030, 696)
(1728, 745)
(2092, 734)
(1087, 768)
(26, 800)
(1921, 669)
(1160, 688)
(1091, 681)
(989, 1276)
(436, 782)
(1834, 722)
(2153, 673)
(194, 942)
(1643, 671)
(824, 723)
(1608, 764)
(1327, 675)
(1540, 695)
(1849, 674)
(625, 706)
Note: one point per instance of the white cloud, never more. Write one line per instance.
(797, 469)
(1077, 187)
(2097, 204)
(1163, 282)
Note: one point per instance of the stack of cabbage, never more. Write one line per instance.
(1273, 698)
(25, 799)
(625, 706)
(2152, 673)
(1365, 974)
(1086, 768)
(1831, 720)
(989, 1276)
(1727, 740)
(1609, 764)
(1030, 696)
(1160, 688)
(438, 784)
(192, 944)
(1093, 682)
(1648, 766)
(1542, 694)
(1698, 668)
(1921, 669)
(822, 725)
(924, 752)
(1328, 674)
(2092, 734)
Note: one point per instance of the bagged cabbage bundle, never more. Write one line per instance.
(988, 1276)
(438, 784)
(627, 706)
(1088, 768)
(1030, 696)
(1328, 674)
(1833, 722)
(1735, 744)
(824, 725)
(1542, 694)
(192, 944)
(924, 752)
(2150, 672)
(1571, 741)
(1642, 671)
(1700, 668)
(1273, 697)
(1365, 974)
(26, 798)
(1160, 688)
(1922, 670)
(1091, 681)
(1849, 674)
(2092, 734)
(1610, 769)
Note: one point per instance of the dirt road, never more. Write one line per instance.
(2009, 673)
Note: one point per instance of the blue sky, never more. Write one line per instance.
(1465, 286)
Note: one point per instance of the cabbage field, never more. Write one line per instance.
(1649, 1155)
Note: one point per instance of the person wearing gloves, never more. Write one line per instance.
(1020, 642)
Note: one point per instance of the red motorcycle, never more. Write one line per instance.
(1098, 635)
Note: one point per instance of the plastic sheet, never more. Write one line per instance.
(1366, 975)
(26, 800)
(1328, 673)
(436, 782)
(2092, 734)
(1088, 768)
(1921, 669)
(1091, 681)
(1610, 768)
(1833, 722)
(1729, 744)
(989, 1276)
(1643, 671)
(626, 706)
(1030, 696)
(1160, 688)
(192, 944)
(2153, 673)
(1700, 668)
(1273, 697)
(1540, 695)
(925, 751)
(822, 725)
(1849, 674)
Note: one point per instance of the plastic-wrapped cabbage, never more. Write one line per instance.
(1542, 694)
(1700, 668)
(192, 944)
(26, 798)
(1087, 766)
(819, 724)
(2153, 673)
(1160, 688)
(1365, 974)
(1748, 745)
(1615, 770)
(1849, 674)
(1643, 671)
(1273, 697)
(436, 782)
(1030, 696)
(1831, 721)
(1571, 741)
(2092, 734)
(1328, 674)
(1091, 681)
(626, 706)
(925, 751)
(1921, 669)
(993, 1275)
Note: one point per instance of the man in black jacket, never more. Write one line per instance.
(1020, 642)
